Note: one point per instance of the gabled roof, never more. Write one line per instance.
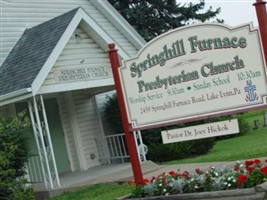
(32, 58)
(30, 53)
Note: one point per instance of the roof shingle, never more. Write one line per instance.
(30, 53)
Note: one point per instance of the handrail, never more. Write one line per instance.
(116, 146)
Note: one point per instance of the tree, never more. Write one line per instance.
(153, 17)
(112, 114)
(13, 157)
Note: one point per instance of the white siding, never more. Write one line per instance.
(79, 52)
(89, 127)
(17, 15)
(68, 131)
(82, 130)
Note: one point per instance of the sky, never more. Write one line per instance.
(234, 12)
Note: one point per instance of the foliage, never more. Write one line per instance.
(112, 114)
(13, 157)
(249, 174)
(166, 152)
(153, 17)
(243, 126)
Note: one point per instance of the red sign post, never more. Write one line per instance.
(134, 158)
(262, 20)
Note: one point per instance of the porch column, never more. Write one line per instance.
(50, 150)
(37, 140)
(44, 143)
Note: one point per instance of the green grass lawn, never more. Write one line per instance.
(251, 145)
(97, 192)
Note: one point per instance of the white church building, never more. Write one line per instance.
(54, 63)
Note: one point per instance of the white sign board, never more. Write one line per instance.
(201, 131)
(192, 73)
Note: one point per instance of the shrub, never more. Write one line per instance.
(242, 175)
(13, 157)
(162, 152)
(165, 152)
(243, 126)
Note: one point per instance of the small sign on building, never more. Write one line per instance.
(81, 73)
(200, 131)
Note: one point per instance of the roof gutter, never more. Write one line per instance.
(15, 96)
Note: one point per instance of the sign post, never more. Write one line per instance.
(262, 19)
(137, 172)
